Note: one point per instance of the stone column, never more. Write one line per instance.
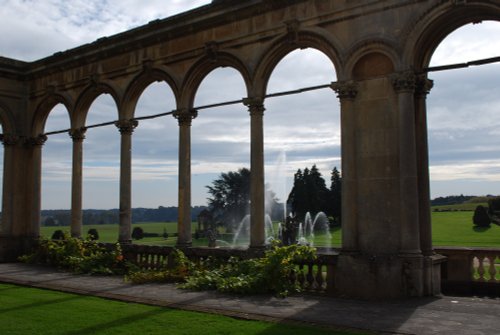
(257, 187)
(126, 128)
(78, 135)
(346, 92)
(423, 88)
(404, 84)
(185, 118)
(8, 198)
(35, 144)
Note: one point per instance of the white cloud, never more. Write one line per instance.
(480, 170)
(33, 29)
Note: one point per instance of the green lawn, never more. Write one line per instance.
(456, 229)
(450, 228)
(34, 311)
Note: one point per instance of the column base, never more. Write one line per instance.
(385, 276)
(13, 247)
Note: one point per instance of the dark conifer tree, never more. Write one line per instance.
(335, 198)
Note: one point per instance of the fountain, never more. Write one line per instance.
(243, 229)
(241, 236)
(277, 180)
(308, 229)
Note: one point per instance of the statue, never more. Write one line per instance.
(290, 230)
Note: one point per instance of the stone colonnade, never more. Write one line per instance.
(380, 51)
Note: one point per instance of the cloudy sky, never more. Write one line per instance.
(464, 123)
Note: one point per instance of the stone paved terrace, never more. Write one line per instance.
(444, 315)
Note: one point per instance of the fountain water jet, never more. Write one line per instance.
(243, 230)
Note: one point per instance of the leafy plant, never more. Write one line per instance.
(481, 217)
(175, 271)
(77, 255)
(270, 274)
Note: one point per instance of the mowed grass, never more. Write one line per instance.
(450, 228)
(456, 229)
(35, 311)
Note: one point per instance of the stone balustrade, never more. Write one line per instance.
(471, 271)
(312, 277)
(467, 271)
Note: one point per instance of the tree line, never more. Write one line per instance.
(229, 200)
(310, 194)
(111, 216)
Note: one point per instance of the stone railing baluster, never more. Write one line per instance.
(319, 278)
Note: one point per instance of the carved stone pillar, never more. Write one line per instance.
(257, 187)
(8, 198)
(346, 92)
(78, 135)
(423, 87)
(185, 118)
(35, 146)
(404, 84)
(126, 128)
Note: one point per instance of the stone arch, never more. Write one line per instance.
(45, 107)
(430, 30)
(203, 67)
(371, 59)
(6, 120)
(284, 45)
(87, 97)
(140, 83)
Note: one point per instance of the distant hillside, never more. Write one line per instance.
(451, 200)
(110, 216)
(459, 202)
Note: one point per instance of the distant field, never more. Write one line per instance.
(456, 229)
(449, 228)
(469, 206)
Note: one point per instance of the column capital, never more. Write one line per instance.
(255, 105)
(9, 139)
(77, 134)
(347, 90)
(126, 126)
(36, 141)
(404, 82)
(185, 116)
(423, 85)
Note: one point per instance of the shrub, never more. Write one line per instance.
(77, 255)
(58, 235)
(137, 233)
(269, 274)
(93, 234)
(481, 217)
(494, 206)
(175, 271)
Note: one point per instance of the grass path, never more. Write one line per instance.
(35, 311)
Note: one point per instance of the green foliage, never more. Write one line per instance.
(270, 274)
(481, 217)
(137, 233)
(310, 194)
(176, 270)
(58, 235)
(334, 207)
(93, 234)
(230, 197)
(494, 206)
(77, 255)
